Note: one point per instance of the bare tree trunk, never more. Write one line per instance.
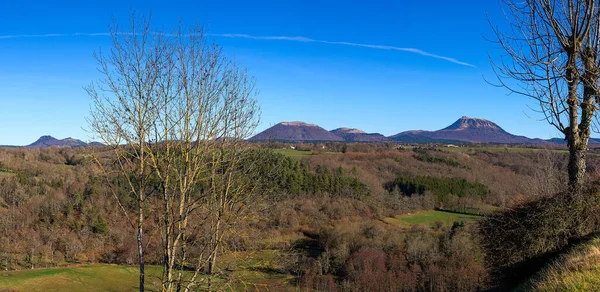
(577, 166)
(141, 247)
(168, 253)
(573, 133)
(140, 221)
(578, 134)
(213, 258)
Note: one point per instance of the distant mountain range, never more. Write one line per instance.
(563, 141)
(49, 141)
(465, 129)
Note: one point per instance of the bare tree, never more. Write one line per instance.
(176, 113)
(122, 112)
(548, 177)
(552, 54)
(206, 107)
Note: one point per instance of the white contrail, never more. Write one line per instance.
(378, 47)
(276, 38)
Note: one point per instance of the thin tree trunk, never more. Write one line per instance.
(141, 192)
(141, 247)
(168, 252)
(213, 258)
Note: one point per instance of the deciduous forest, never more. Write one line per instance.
(333, 220)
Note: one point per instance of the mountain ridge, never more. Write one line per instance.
(463, 130)
(49, 141)
(473, 130)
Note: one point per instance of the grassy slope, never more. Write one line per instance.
(429, 218)
(576, 270)
(84, 278)
(246, 271)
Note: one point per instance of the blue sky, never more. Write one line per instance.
(346, 76)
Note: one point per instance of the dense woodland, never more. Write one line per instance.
(323, 211)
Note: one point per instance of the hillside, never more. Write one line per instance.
(295, 132)
(367, 197)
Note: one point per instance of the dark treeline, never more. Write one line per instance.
(442, 188)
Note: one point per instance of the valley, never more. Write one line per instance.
(317, 217)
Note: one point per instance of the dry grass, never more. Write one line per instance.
(576, 270)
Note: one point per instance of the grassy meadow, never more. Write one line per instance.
(430, 219)
(80, 278)
(254, 271)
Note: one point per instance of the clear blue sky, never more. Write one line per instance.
(326, 83)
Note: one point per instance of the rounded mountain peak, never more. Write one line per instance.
(297, 123)
(349, 131)
(46, 138)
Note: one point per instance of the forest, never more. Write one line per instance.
(329, 215)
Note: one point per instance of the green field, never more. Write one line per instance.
(293, 152)
(245, 271)
(430, 218)
(83, 278)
